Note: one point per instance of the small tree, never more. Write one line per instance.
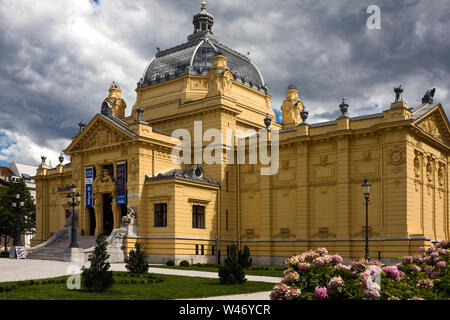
(136, 263)
(232, 272)
(245, 260)
(97, 278)
(8, 215)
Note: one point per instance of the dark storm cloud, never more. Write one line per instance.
(57, 60)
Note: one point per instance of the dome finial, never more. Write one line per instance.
(203, 4)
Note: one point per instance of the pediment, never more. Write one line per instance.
(99, 133)
(435, 124)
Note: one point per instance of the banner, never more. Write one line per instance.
(121, 183)
(88, 181)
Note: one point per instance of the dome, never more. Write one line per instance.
(195, 57)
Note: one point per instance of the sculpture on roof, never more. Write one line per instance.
(398, 93)
(429, 95)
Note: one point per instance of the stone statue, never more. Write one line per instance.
(130, 218)
(429, 95)
(398, 93)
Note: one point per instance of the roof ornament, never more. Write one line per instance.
(140, 114)
(429, 95)
(43, 158)
(304, 114)
(203, 21)
(82, 125)
(398, 93)
(267, 121)
(114, 85)
(344, 107)
(106, 109)
(61, 158)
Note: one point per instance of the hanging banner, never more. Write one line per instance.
(88, 181)
(121, 183)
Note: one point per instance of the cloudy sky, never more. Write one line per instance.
(58, 58)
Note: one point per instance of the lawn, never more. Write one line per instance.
(170, 287)
(268, 271)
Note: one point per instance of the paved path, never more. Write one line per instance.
(16, 270)
(248, 296)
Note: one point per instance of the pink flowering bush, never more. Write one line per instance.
(318, 275)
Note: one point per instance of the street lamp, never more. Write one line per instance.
(17, 205)
(366, 191)
(73, 200)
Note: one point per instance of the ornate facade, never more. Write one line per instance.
(193, 212)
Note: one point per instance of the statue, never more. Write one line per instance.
(398, 93)
(130, 218)
(429, 95)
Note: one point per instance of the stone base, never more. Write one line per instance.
(74, 255)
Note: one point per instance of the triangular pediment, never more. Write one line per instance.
(99, 133)
(435, 124)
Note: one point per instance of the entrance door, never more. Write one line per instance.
(108, 218)
(92, 222)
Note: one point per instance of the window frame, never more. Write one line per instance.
(198, 223)
(162, 212)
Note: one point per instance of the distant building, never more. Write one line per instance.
(25, 171)
(5, 175)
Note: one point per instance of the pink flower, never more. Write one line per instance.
(434, 254)
(303, 266)
(425, 283)
(287, 271)
(336, 259)
(392, 272)
(442, 265)
(427, 260)
(416, 298)
(372, 293)
(421, 249)
(418, 258)
(309, 255)
(335, 282)
(372, 269)
(408, 259)
(320, 292)
(394, 298)
(284, 292)
(415, 267)
(319, 260)
(321, 251)
(435, 274)
(291, 278)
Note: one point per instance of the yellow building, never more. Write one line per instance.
(191, 211)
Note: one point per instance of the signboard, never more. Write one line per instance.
(88, 181)
(20, 253)
(121, 183)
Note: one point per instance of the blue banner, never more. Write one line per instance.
(88, 181)
(121, 183)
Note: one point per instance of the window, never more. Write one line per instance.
(196, 249)
(161, 215)
(226, 181)
(213, 250)
(226, 220)
(198, 217)
(203, 249)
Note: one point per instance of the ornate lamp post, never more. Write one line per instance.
(366, 191)
(73, 200)
(17, 205)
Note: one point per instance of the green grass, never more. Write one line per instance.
(268, 271)
(172, 287)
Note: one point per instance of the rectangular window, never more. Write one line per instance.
(161, 215)
(203, 249)
(228, 250)
(196, 249)
(226, 181)
(198, 217)
(226, 220)
(213, 250)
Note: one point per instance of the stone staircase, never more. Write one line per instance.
(55, 250)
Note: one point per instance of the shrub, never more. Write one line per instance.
(170, 263)
(245, 260)
(97, 278)
(232, 272)
(184, 263)
(317, 275)
(136, 263)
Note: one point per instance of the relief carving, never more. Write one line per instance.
(396, 156)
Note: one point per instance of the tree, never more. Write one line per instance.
(8, 214)
(245, 260)
(136, 263)
(97, 278)
(232, 272)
